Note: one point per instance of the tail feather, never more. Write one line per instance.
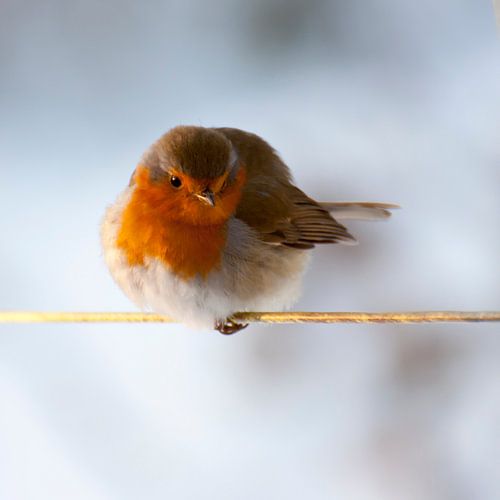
(343, 210)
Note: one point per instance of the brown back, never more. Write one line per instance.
(279, 211)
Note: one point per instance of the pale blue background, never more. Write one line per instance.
(382, 100)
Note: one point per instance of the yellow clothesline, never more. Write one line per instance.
(257, 317)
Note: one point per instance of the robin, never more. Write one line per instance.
(211, 223)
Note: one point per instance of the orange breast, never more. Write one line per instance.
(175, 228)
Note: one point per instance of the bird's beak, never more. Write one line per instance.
(207, 196)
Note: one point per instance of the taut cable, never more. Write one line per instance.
(258, 317)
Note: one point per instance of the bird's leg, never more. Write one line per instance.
(228, 326)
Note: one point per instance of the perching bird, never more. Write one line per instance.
(211, 224)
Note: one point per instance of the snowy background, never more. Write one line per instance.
(383, 100)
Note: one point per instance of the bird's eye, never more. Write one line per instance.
(175, 181)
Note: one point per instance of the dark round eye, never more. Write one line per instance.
(175, 181)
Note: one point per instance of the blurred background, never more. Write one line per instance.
(383, 100)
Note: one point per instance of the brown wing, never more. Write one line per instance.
(283, 214)
(280, 212)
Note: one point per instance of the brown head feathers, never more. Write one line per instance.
(201, 153)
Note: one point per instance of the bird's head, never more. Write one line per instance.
(191, 175)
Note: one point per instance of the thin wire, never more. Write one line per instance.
(257, 317)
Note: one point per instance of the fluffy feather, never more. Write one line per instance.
(199, 264)
(252, 276)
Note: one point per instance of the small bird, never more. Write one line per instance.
(211, 224)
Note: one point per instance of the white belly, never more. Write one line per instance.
(252, 276)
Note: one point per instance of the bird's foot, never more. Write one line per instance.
(228, 326)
